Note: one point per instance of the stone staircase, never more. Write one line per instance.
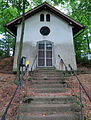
(52, 99)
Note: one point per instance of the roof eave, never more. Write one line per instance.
(77, 26)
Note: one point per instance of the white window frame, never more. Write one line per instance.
(45, 42)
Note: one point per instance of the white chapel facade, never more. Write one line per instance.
(48, 34)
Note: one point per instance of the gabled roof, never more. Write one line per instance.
(12, 26)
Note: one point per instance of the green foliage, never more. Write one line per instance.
(30, 79)
(9, 10)
(7, 44)
(7, 15)
(37, 2)
(81, 12)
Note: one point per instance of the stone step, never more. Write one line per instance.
(50, 99)
(47, 73)
(49, 85)
(42, 75)
(45, 69)
(49, 90)
(43, 108)
(49, 102)
(48, 82)
(60, 116)
(47, 78)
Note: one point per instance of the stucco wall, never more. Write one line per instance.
(60, 34)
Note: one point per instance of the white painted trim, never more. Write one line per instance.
(45, 42)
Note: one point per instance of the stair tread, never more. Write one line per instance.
(43, 108)
(57, 84)
(69, 113)
(62, 116)
(51, 88)
(34, 97)
(59, 81)
(49, 99)
(47, 105)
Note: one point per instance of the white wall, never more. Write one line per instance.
(60, 34)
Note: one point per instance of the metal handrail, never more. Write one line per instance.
(9, 104)
(80, 83)
(62, 61)
(33, 63)
(76, 77)
(12, 98)
(19, 87)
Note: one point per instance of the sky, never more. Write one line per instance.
(1, 36)
(58, 7)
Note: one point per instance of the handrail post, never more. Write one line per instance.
(81, 103)
(27, 73)
(33, 63)
(31, 69)
(3, 117)
(63, 62)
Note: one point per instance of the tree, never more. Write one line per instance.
(82, 13)
(7, 44)
(7, 13)
(21, 40)
(9, 10)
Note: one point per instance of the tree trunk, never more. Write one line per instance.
(21, 41)
(88, 44)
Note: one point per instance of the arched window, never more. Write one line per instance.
(42, 17)
(48, 17)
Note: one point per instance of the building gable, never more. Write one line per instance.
(35, 29)
(12, 26)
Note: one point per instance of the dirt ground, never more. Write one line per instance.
(7, 88)
(6, 64)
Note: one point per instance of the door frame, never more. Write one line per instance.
(45, 42)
